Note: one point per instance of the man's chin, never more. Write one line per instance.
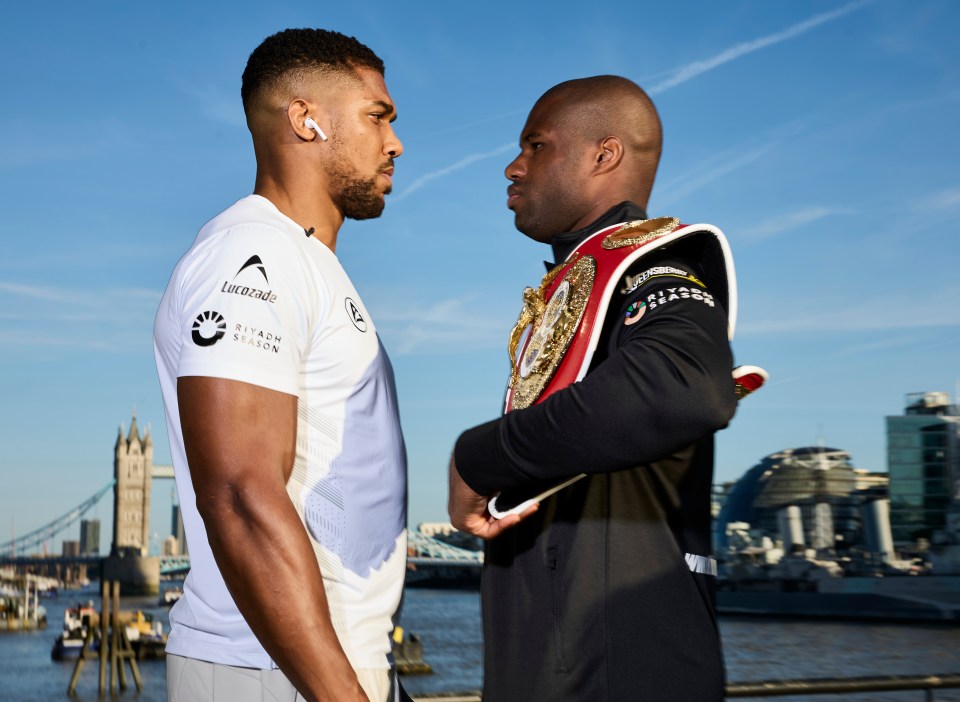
(369, 213)
(362, 203)
(530, 230)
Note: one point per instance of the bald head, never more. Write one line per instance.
(588, 144)
(602, 106)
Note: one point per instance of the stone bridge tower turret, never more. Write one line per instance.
(132, 470)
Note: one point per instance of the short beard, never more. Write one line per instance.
(357, 198)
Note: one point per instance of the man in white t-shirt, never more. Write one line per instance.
(281, 405)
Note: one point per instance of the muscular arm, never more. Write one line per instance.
(665, 385)
(240, 443)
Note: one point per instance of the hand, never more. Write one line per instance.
(468, 509)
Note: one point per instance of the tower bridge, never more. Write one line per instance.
(128, 559)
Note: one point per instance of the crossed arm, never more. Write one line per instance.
(240, 441)
(666, 384)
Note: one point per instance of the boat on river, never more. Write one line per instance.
(20, 608)
(77, 623)
(145, 633)
(788, 579)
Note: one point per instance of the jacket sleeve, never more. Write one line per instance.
(665, 384)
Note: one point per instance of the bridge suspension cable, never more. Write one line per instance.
(21, 544)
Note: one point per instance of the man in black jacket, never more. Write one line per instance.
(604, 590)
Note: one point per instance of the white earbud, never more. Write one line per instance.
(308, 122)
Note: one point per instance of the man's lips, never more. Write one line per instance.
(513, 192)
(388, 174)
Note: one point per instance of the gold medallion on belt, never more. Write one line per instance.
(639, 232)
(553, 323)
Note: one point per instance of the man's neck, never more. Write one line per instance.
(302, 205)
(564, 244)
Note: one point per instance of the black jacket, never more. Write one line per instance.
(591, 598)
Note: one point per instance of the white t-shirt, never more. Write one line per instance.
(256, 300)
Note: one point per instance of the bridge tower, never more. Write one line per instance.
(133, 471)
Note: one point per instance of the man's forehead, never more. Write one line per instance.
(369, 86)
(359, 83)
(542, 121)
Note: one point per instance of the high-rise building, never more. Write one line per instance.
(170, 546)
(89, 537)
(923, 458)
(176, 530)
(70, 548)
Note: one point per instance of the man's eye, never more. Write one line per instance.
(377, 116)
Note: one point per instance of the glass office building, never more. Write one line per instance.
(923, 457)
(90, 537)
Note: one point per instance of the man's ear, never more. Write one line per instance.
(609, 154)
(297, 113)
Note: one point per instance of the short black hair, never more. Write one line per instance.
(302, 50)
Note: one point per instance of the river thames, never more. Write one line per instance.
(447, 622)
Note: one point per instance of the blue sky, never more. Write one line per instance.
(820, 136)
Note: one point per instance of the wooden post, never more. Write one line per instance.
(36, 602)
(103, 634)
(127, 654)
(114, 632)
(85, 652)
(117, 641)
(26, 602)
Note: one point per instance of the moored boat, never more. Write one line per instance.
(77, 622)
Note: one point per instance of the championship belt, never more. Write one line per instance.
(564, 317)
(565, 314)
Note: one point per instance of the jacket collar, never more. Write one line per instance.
(564, 244)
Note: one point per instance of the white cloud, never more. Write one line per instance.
(677, 76)
(115, 319)
(89, 298)
(696, 68)
(452, 168)
(41, 293)
(942, 200)
(682, 186)
(441, 326)
(842, 314)
(788, 222)
(466, 125)
(216, 106)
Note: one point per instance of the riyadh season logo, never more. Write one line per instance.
(354, 313)
(635, 312)
(208, 328)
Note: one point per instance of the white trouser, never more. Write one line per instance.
(191, 680)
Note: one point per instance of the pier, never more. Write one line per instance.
(927, 684)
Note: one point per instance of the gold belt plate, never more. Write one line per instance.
(553, 325)
(639, 232)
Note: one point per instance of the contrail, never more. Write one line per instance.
(462, 163)
(679, 75)
(692, 70)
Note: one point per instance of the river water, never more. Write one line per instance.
(447, 622)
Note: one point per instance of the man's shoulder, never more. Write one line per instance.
(245, 252)
(251, 232)
(249, 216)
